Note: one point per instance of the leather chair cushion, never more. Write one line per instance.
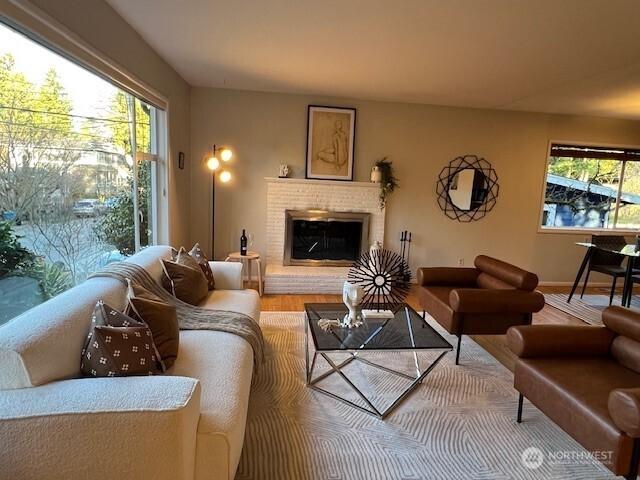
(623, 321)
(574, 393)
(624, 408)
(627, 352)
(492, 283)
(559, 340)
(435, 300)
(507, 273)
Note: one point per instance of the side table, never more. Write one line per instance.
(248, 258)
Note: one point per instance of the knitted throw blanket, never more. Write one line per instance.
(190, 317)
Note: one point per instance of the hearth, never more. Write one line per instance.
(325, 238)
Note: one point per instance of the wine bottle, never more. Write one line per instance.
(243, 243)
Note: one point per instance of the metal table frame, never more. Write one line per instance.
(354, 355)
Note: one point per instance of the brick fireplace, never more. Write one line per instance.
(328, 196)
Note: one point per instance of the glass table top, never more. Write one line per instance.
(406, 331)
(629, 250)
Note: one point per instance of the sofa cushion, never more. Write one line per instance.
(223, 363)
(241, 301)
(161, 319)
(579, 403)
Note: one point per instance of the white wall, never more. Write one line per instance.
(266, 129)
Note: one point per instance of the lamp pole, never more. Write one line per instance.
(225, 176)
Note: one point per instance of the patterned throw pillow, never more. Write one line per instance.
(110, 360)
(160, 317)
(119, 352)
(105, 315)
(184, 278)
(198, 255)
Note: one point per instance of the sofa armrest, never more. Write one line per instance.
(478, 300)
(227, 275)
(624, 408)
(447, 276)
(131, 427)
(530, 341)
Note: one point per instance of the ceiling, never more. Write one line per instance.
(559, 56)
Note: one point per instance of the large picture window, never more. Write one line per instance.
(592, 187)
(78, 173)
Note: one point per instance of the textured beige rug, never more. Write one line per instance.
(460, 424)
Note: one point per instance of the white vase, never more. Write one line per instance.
(376, 175)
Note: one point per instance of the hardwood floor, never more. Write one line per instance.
(496, 345)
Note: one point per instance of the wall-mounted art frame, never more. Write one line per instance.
(467, 188)
(331, 135)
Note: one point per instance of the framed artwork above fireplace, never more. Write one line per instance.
(330, 142)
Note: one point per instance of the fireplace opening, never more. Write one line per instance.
(314, 237)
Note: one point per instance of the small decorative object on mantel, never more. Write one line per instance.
(385, 277)
(388, 182)
(352, 295)
(467, 188)
(330, 142)
(284, 171)
(376, 174)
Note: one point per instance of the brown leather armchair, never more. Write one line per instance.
(587, 380)
(485, 300)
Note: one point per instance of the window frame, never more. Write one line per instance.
(48, 32)
(577, 230)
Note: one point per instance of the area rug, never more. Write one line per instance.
(459, 424)
(588, 308)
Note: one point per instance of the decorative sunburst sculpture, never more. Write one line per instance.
(385, 277)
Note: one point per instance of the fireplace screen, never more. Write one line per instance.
(315, 237)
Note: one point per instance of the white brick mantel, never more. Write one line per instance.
(302, 194)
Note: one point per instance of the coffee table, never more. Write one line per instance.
(406, 332)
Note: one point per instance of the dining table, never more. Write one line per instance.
(631, 251)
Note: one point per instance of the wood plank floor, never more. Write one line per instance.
(494, 344)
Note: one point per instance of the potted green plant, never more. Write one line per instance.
(388, 181)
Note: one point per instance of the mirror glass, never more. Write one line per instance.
(467, 188)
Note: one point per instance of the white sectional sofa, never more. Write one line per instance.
(188, 424)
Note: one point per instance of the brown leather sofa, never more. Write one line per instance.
(485, 300)
(587, 380)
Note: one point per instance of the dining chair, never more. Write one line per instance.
(606, 262)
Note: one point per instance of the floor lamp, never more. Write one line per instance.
(213, 164)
